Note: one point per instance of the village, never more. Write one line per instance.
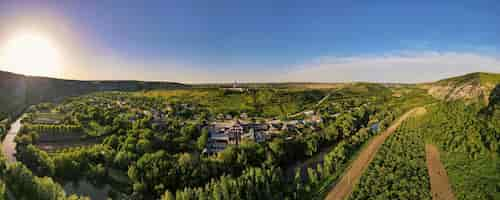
(223, 129)
(228, 130)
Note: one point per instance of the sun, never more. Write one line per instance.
(31, 54)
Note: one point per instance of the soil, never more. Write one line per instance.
(440, 185)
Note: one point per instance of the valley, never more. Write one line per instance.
(253, 141)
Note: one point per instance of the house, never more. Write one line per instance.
(243, 115)
(234, 88)
(316, 119)
(275, 125)
(290, 125)
(375, 127)
(222, 134)
(255, 136)
(309, 113)
(235, 133)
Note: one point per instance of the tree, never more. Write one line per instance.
(153, 173)
(38, 161)
(144, 146)
(168, 196)
(277, 146)
(3, 194)
(203, 139)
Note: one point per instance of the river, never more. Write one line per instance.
(8, 144)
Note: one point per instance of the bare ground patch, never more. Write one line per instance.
(440, 185)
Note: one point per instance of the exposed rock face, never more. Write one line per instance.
(471, 87)
(466, 91)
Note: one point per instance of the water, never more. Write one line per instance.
(84, 188)
(8, 144)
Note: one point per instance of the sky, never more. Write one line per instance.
(260, 40)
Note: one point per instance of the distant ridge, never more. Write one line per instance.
(19, 90)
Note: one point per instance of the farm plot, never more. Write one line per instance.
(399, 169)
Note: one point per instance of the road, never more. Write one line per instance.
(440, 185)
(344, 187)
(8, 144)
(316, 105)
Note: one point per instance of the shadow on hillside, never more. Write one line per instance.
(493, 102)
(495, 95)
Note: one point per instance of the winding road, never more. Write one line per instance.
(344, 187)
(8, 144)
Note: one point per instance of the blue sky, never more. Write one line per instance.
(262, 40)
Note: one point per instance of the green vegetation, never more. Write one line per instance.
(147, 143)
(24, 185)
(154, 144)
(470, 144)
(19, 91)
(476, 178)
(483, 78)
(4, 127)
(399, 170)
(262, 102)
(492, 111)
(468, 138)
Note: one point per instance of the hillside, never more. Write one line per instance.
(470, 87)
(493, 109)
(19, 90)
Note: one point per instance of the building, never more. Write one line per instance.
(309, 113)
(222, 134)
(235, 132)
(255, 136)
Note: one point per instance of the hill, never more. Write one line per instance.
(470, 87)
(20, 90)
(493, 109)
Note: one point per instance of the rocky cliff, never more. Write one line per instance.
(475, 87)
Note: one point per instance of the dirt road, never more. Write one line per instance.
(440, 186)
(344, 187)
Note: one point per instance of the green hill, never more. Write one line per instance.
(482, 77)
(18, 91)
(470, 87)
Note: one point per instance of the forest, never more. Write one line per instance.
(149, 144)
(468, 138)
(398, 171)
(152, 145)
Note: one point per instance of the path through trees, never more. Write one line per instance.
(440, 185)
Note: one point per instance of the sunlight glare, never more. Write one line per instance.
(31, 54)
